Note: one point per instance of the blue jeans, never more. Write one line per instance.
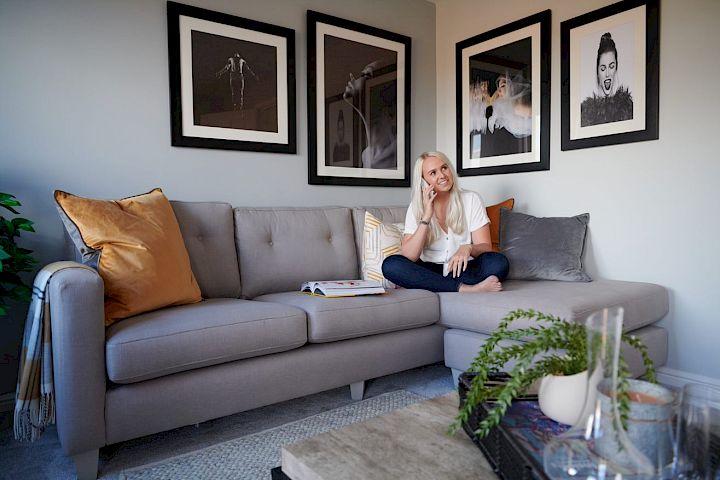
(428, 276)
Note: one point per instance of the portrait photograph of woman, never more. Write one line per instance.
(608, 65)
(609, 75)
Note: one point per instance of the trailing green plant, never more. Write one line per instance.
(551, 334)
(13, 259)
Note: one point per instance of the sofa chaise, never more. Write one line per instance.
(255, 340)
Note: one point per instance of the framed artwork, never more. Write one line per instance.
(232, 82)
(503, 98)
(610, 72)
(358, 104)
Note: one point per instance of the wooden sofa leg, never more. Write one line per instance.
(86, 464)
(357, 390)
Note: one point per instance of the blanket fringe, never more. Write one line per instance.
(34, 395)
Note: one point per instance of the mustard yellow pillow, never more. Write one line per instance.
(136, 246)
(493, 212)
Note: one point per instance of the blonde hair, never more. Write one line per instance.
(455, 218)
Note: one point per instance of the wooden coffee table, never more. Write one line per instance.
(407, 443)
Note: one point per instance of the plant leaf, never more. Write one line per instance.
(23, 224)
(8, 201)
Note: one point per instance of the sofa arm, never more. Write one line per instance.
(78, 343)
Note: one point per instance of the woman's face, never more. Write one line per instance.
(606, 70)
(437, 174)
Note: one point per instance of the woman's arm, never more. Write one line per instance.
(413, 244)
(481, 243)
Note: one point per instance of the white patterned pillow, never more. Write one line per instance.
(380, 240)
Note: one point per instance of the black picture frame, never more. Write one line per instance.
(503, 98)
(624, 107)
(232, 82)
(367, 71)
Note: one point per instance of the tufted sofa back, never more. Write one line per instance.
(272, 249)
(279, 248)
(208, 231)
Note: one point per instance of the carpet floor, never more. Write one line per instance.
(45, 460)
(253, 456)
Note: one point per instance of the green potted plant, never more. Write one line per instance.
(13, 259)
(549, 335)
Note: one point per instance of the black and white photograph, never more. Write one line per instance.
(232, 81)
(381, 106)
(605, 82)
(503, 99)
(340, 127)
(610, 76)
(358, 104)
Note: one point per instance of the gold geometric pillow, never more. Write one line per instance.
(380, 240)
(138, 250)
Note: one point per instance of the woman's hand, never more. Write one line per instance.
(459, 261)
(428, 197)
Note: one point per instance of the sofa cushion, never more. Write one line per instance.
(331, 319)
(644, 303)
(543, 248)
(211, 332)
(384, 214)
(209, 234)
(280, 248)
(380, 240)
(493, 213)
(136, 246)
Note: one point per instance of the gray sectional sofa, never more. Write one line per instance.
(255, 340)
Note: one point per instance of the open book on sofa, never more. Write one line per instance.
(342, 288)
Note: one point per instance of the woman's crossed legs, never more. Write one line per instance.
(483, 274)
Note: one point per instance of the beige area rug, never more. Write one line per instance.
(253, 456)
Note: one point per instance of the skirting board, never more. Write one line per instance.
(678, 378)
(7, 402)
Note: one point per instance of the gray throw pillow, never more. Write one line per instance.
(543, 248)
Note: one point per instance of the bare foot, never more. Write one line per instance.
(490, 284)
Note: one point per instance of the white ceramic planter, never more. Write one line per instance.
(562, 398)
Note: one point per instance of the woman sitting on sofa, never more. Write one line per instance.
(446, 244)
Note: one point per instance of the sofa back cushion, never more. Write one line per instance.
(279, 248)
(208, 231)
(384, 214)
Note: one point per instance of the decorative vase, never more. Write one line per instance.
(562, 397)
(649, 425)
(575, 453)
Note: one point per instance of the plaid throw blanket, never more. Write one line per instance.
(34, 398)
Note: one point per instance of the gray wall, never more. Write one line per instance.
(653, 205)
(84, 107)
